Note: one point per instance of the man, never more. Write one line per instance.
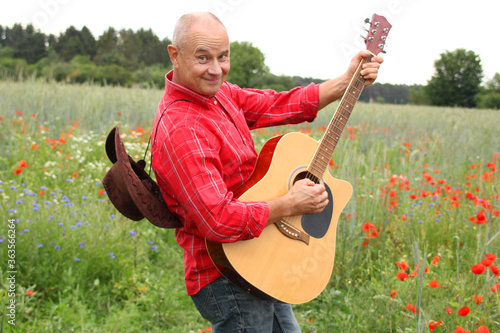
(203, 150)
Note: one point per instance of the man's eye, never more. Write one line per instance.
(203, 58)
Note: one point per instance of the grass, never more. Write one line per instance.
(425, 179)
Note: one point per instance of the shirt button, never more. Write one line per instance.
(215, 102)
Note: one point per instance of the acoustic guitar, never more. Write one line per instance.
(292, 261)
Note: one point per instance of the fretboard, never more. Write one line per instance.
(333, 133)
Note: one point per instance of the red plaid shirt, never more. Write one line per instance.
(203, 150)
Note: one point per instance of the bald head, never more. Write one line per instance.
(200, 53)
(189, 21)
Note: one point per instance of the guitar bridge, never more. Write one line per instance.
(292, 232)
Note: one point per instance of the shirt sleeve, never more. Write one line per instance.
(263, 108)
(188, 167)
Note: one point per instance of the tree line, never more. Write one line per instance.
(140, 58)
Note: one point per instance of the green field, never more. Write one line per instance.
(425, 210)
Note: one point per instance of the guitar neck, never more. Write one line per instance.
(333, 133)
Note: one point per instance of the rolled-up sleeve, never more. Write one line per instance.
(188, 164)
(263, 108)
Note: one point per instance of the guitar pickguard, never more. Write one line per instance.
(316, 225)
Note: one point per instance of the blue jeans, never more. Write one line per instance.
(230, 309)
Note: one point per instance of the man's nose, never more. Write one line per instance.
(215, 68)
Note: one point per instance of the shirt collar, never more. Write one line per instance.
(181, 91)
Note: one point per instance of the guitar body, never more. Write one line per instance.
(274, 266)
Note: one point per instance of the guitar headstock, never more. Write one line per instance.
(377, 34)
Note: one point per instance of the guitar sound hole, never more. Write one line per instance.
(304, 175)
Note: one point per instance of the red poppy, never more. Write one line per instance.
(459, 329)
(486, 262)
(435, 260)
(481, 218)
(410, 307)
(495, 287)
(434, 284)
(495, 270)
(402, 276)
(449, 310)
(482, 329)
(19, 113)
(463, 311)
(29, 292)
(23, 164)
(18, 171)
(368, 226)
(490, 256)
(403, 265)
(478, 269)
(470, 196)
(433, 324)
(477, 299)
(393, 293)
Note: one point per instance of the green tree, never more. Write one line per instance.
(247, 63)
(418, 95)
(74, 42)
(489, 97)
(28, 44)
(107, 48)
(456, 80)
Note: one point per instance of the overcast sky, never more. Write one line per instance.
(312, 38)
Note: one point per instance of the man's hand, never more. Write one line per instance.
(305, 197)
(369, 70)
(332, 90)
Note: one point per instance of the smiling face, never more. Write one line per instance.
(201, 61)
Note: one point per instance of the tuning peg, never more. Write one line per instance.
(367, 20)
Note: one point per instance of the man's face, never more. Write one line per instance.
(203, 63)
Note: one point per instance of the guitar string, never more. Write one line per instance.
(350, 98)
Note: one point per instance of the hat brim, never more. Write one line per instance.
(133, 192)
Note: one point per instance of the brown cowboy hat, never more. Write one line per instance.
(131, 189)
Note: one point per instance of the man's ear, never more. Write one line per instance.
(173, 52)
